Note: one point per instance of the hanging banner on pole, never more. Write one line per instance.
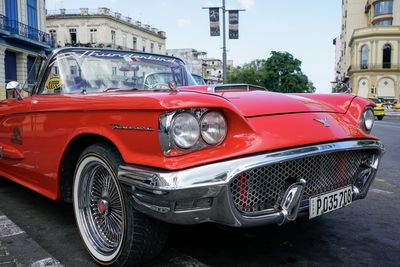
(233, 24)
(214, 22)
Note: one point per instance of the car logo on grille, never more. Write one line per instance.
(323, 121)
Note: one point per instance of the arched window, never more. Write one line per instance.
(364, 57)
(387, 56)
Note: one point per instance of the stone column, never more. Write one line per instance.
(22, 73)
(23, 15)
(2, 74)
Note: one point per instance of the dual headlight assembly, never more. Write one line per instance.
(188, 130)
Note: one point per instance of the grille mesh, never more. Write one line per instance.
(262, 188)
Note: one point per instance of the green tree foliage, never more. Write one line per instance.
(281, 72)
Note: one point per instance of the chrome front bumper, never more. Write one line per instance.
(202, 194)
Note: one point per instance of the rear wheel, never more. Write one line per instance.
(113, 232)
(380, 117)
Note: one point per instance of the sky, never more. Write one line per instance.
(305, 29)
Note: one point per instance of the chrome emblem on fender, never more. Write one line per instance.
(131, 128)
(323, 121)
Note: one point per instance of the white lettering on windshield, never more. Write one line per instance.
(93, 53)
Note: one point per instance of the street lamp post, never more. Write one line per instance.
(224, 65)
(224, 54)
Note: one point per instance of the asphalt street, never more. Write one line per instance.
(367, 233)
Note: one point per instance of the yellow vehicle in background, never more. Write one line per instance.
(379, 109)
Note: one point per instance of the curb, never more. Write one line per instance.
(17, 249)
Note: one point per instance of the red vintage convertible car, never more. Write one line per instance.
(135, 144)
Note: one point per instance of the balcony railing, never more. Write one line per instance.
(23, 30)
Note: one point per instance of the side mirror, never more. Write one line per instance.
(13, 90)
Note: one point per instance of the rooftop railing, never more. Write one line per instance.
(23, 30)
(105, 12)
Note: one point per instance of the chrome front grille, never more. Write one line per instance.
(262, 188)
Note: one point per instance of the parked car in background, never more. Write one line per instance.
(379, 109)
(199, 79)
(135, 144)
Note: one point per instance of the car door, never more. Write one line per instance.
(17, 136)
(16, 140)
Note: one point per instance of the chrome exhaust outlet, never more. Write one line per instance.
(291, 202)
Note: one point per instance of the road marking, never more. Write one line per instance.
(393, 187)
(379, 191)
(46, 263)
(8, 228)
(388, 122)
(390, 126)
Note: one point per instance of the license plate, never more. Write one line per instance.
(330, 201)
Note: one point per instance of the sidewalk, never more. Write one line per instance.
(17, 249)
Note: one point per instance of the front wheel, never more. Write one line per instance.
(380, 117)
(113, 232)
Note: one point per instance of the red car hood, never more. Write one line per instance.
(259, 103)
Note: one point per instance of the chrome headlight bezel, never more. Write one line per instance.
(187, 137)
(367, 119)
(206, 134)
(167, 140)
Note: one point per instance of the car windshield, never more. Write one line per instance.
(76, 70)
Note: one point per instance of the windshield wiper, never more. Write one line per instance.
(120, 89)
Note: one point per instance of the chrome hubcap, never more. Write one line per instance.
(100, 213)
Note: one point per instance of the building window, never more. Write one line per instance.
(11, 11)
(383, 22)
(92, 35)
(383, 7)
(32, 15)
(144, 49)
(387, 56)
(113, 38)
(135, 43)
(124, 41)
(160, 48)
(364, 57)
(72, 35)
(53, 35)
(152, 47)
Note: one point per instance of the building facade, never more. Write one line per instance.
(192, 58)
(213, 70)
(369, 61)
(198, 63)
(22, 39)
(103, 28)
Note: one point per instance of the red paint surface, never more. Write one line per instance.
(257, 122)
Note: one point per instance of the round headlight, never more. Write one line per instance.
(369, 119)
(213, 128)
(185, 130)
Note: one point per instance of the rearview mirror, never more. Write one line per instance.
(13, 90)
(128, 67)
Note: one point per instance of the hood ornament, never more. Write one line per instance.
(323, 121)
